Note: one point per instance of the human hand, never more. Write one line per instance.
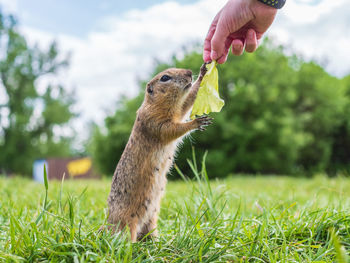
(240, 24)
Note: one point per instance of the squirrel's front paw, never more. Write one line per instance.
(203, 121)
(203, 70)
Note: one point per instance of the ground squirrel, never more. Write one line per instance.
(139, 180)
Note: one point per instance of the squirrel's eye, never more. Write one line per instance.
(165, 78)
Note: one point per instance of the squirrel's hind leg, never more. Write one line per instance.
(149, 229)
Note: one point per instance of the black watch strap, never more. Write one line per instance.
(278, 4)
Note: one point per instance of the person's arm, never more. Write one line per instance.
(239, 24)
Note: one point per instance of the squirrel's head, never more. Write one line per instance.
(168, 89)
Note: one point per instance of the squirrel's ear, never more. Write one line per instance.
(149, 88)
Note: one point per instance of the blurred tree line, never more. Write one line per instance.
(283, 115)
(30, 119)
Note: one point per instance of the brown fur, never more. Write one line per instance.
(140, 177)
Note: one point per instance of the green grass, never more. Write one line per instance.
(240, 219)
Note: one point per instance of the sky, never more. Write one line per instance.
(113, 43)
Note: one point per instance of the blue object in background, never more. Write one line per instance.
(38, 170)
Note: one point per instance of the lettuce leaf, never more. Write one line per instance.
(208, 99)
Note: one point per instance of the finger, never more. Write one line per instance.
(251, 41)
(207, 44)
(225, 26)
(237, 47)
(208, 38)
(223, 58)
(218, 41)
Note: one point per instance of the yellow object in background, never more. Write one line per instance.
(208, 99)
(79, 167)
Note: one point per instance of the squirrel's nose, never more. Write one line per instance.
(188, 73)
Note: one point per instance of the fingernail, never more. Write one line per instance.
(237, 47)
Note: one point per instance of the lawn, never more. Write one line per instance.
(239, 219)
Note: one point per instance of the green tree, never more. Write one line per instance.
(340, 153)
(280, 116)
(107, 147)
(28, 119)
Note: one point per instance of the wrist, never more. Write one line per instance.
(277, 4)
(260, 10)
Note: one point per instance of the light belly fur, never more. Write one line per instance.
(164, 157)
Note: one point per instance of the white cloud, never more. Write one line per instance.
(9, 6)
(108, 62)
(306, 11)
(321, 33)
